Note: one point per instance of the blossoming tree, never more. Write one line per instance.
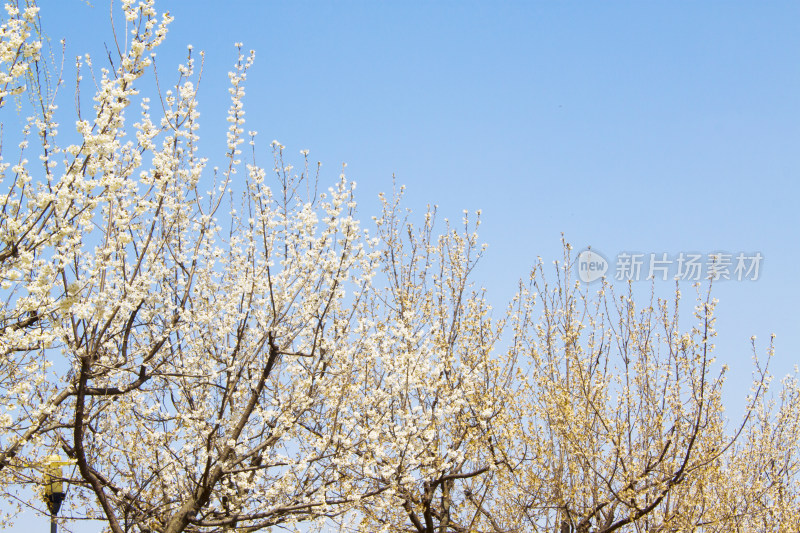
(435, 395)
(621, 421)
(227, 349)
(192, 368)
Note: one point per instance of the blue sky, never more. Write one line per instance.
(639, 127)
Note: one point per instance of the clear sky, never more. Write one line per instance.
(631, 127)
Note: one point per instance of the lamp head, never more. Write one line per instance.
(53, 480)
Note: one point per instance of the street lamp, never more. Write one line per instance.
(53, 480)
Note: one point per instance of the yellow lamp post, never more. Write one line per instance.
(53, 480)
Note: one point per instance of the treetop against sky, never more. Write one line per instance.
(222, 332)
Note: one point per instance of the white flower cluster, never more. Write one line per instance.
(17, 49)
